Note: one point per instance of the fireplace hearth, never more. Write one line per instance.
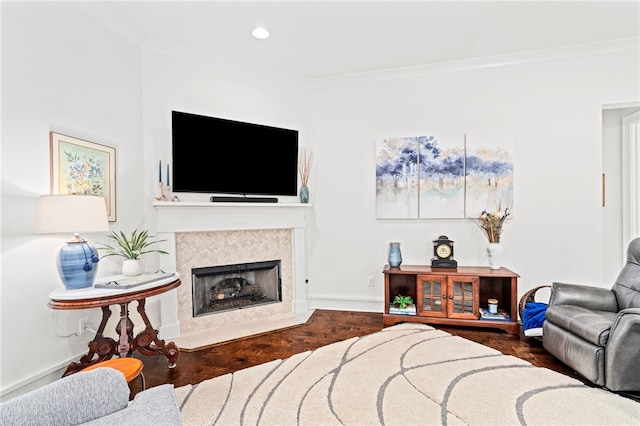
(239, 286)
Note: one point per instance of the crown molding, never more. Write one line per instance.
(112, 21)
(224, 64)
(591, 49)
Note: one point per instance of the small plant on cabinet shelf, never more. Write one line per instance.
(403, 301)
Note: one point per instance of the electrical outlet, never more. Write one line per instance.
(371, 282)
(84, 325)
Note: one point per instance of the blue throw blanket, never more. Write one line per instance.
(533, 315)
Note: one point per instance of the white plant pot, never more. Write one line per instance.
(132, 267)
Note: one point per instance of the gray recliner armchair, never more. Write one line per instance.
(596, 331)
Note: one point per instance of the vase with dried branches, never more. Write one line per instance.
(304, 170)
(491, 223)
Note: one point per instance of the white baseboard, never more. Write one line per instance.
(358, 304)
(37, 380)
(170, 331)
(300, 307)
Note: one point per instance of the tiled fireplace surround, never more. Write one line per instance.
(211, 234)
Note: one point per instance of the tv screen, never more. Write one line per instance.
(220, 156)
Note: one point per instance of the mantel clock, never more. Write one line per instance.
(443, 253)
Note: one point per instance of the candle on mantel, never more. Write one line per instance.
(168, 174)
(160, 171)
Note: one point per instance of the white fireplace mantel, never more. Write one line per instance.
(177, 217)
(198, 216)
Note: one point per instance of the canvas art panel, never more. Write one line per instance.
(397, 178)
(489, 180)
(442, 177)
(82, 167)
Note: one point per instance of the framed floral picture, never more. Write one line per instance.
(82, 167)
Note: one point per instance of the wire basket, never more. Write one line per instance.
(529, 296)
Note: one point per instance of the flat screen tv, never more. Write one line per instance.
(219, 156)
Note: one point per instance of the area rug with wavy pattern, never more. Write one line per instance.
(406, 374)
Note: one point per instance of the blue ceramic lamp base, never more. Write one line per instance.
(77, 264)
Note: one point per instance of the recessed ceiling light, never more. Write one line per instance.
(260, 33)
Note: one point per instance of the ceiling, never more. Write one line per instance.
(325, 39)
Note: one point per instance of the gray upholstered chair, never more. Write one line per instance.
(98, 397)
(596, 331)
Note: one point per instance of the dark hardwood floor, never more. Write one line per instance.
(324, 327)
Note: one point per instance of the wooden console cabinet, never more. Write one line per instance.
(452, 296)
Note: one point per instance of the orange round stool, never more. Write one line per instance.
(130, 367)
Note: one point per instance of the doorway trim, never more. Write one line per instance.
(631, 177)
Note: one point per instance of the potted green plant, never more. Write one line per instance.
(402, 305)
(403, 301)
(131, 248)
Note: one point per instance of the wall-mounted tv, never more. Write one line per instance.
(219, 156)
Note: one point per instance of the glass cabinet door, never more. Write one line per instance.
(432, 299)
(462, 297)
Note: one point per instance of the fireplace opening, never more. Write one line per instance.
(229, 287)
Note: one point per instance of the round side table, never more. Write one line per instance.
(102, 348)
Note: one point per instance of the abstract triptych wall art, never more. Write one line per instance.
(431, 177)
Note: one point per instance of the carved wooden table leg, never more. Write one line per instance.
(125, 330)
(144, 341)
(104, 347)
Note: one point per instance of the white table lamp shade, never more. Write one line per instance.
(71, 213)
(77, 260)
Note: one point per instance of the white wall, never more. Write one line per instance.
(552, 109)
(63, 71)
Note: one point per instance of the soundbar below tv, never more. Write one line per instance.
(220, 156)
(218, 199)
